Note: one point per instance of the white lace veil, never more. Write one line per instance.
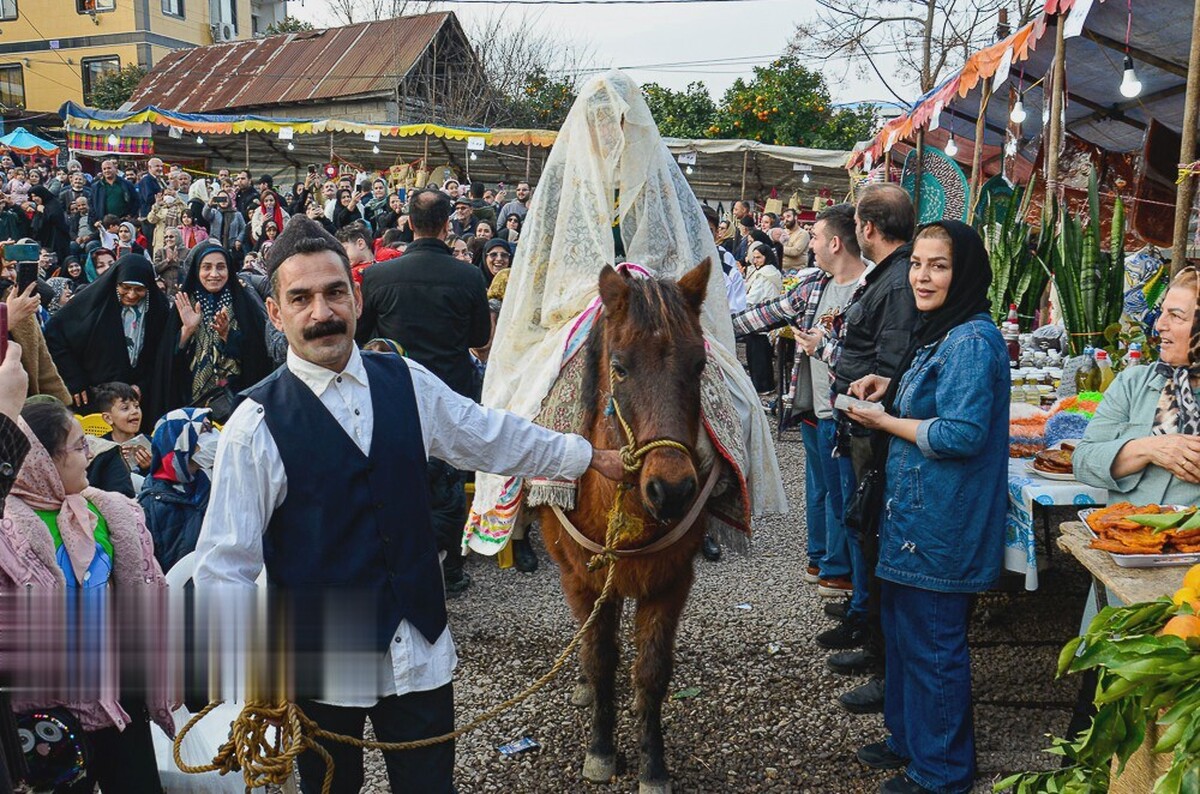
(609, 146)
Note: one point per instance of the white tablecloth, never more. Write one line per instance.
(1024, 490)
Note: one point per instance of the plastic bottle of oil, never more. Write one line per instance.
(1087, 377)
(1104, 368)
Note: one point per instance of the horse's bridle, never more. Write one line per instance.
(632, 458)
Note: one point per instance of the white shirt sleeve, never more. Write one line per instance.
(249, 484)
(469, 436)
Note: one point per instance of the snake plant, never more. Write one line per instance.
(1089, 281)
(1017, 275)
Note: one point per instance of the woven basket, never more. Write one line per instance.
(1143, 768)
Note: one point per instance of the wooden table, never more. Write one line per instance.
(1131, 585)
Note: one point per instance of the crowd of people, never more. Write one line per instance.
(899, 385)
(231, 338)
(157, 302)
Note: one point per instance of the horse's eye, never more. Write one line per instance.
(618, 370)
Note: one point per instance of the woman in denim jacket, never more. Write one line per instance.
(942, 533)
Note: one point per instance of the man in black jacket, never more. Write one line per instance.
(879, 322)
(436, 308)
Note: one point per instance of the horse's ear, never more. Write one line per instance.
(694, 283)
(614, 292)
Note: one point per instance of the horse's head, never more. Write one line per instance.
(653, 355)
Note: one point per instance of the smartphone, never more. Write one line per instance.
(3, 330)
(27, 273)
(845, 401)
(22, 252)
(312, 169)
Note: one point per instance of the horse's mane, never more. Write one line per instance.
(652, 305)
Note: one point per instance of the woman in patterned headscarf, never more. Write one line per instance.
(215, 341)
(1144, 443)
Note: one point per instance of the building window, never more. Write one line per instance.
(93, 69)
(8, 10)
(173, 8)
(95, 6)
(12, 86)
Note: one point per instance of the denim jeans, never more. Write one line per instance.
(842, 558)
(814, 495)
(927, 694)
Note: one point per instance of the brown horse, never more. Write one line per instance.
(649, 341)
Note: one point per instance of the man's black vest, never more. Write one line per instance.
(353, 526)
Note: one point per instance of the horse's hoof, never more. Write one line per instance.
(663, 787)
(583, 695)
(599, 768)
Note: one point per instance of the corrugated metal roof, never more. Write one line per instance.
(364, 58)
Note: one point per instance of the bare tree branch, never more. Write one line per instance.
(927, 38)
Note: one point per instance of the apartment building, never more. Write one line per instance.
(52, 51)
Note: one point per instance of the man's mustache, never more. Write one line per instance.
(333, 327)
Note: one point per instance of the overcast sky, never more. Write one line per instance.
(627, 35)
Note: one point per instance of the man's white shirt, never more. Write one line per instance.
(249, 484)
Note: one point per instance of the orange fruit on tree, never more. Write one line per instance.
(1192, 578)
(1183, 626)
(1187, 595)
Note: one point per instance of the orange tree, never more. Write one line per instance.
(690, 113)
(789, 105)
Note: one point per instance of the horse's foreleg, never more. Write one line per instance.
(598, 656)
(656, 623)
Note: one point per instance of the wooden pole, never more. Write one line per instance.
(1057, 104)
(1187, 150)
(745, 164)
(528, 159)
(246, 138)
(918, 172)
(977, 155)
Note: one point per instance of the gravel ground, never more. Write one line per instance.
(765, 719)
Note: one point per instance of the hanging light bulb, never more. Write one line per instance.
(805, 179)
(1131, 86)
(688, 170)
(951, 147)
(1018, 114)
(375, 150)
(200, 139)
(113, 140)
(291, 146)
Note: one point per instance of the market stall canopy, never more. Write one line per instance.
(24, 142)
(1096, 112)
(720, 167)
(507, 155)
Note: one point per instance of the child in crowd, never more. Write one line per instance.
(107, 227)
(120, 406)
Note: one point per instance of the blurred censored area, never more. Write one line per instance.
(190, 645)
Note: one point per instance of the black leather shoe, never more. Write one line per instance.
(710, 549)
(865, 699)
(857, 662)
(837, 609)
(903, 784)
(457, 582)
(524, 558)
(845, 635)
(879, 756)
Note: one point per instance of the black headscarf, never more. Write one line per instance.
(87, 337)
(970, 279)
(50, 225)
(173, 374)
